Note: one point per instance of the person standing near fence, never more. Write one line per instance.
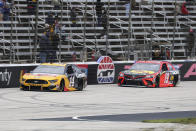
(190, 39)
(73, 16)
(1, 10)
(44, 43)
(184, 9)
(6, 12)
(98, 8)
(31, 7)
(53, 46)
(104, 24)
(127, 7)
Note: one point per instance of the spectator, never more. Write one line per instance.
(127, 7)
(56, 4)
(44, 42)
(93, 55)
(50, 20)
(31, 7)
(73, 16)
(57, 26)
(163, 55)
(98, 8)
(178, 9)
(190, 43)
(168, 54)
(1, 10)
(83, 55)
(74, 56)
(6, 12)
(97, 55)
(53, 47)
(184, 9)
(104, 23)
(133, 4)
(156, 54)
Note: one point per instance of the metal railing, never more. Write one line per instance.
(89, 39)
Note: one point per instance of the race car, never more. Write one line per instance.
(54, 77)
(150, 74)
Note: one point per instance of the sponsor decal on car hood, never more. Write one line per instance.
(139, 72)
(39, 76)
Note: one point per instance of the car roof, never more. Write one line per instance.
(153, 61)
(54, 64)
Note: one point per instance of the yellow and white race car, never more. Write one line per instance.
(55, 77)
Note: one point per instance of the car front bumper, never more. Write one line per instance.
(145, 82)
(38, 87)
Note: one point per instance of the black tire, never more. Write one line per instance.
(119, 83)
(62, 85)
(80, 85)
(157, 81)
(175, 80)
(24, 89)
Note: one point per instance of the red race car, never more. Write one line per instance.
(150, 74)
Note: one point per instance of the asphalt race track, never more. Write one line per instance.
(98, 108)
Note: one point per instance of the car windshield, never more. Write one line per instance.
(146, 66)
(49, 69)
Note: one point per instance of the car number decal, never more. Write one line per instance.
(71, 81)
(166, 78)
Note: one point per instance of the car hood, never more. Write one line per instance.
(40, 76)
(138, 72)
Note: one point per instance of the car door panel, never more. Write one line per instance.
(166, 79)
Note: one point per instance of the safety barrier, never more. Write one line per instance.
(98, 72)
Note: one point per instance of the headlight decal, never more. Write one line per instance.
(52, 81)
(149, 76)
(121, 74)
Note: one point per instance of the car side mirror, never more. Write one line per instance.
(83, 71)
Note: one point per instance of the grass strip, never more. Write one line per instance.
(177, 120)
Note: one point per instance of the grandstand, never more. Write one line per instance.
(152, 22)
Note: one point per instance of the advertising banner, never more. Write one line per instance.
(10, 76)
(103, 72)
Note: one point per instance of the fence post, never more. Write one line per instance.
(36, 31)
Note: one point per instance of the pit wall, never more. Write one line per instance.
(97, 72)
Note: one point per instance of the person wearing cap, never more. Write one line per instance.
(44, 43)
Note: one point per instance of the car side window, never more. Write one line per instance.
(70, 70)
(164, 67)
(76, 68)
(170, 67)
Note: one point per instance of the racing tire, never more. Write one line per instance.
(175, 81)
(119, 83)
(157, 82)
(24, 89)
(81, 85)
(62, 86)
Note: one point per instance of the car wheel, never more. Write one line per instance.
(61, 88)
(80, 85)
(157, 81)
(24, 89)
(175, 80)
(119, 83)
